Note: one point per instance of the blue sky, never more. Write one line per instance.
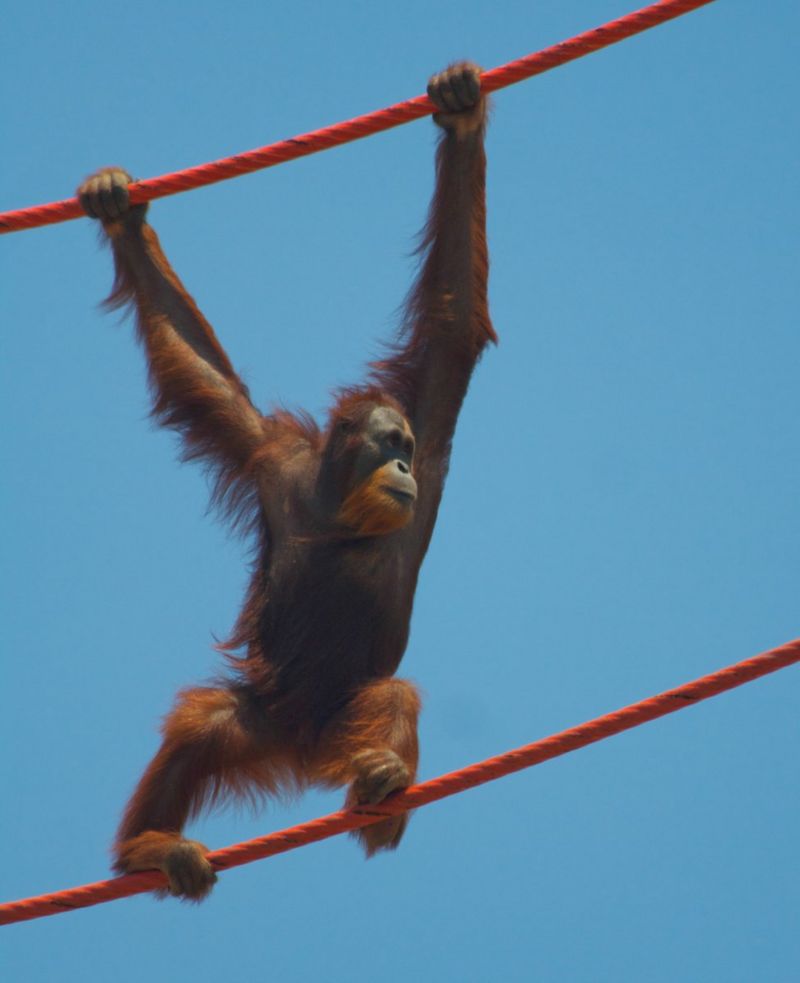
(621, 513)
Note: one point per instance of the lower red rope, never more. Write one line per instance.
(362, 126)
(419, 795)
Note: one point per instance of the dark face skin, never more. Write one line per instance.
(388, 446)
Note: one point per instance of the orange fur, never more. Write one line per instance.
(369, 510)
(214, 747)
(382, 716)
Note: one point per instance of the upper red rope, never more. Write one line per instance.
(420, 795)
(362, 126)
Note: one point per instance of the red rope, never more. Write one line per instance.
(362, 126)
(420, 795)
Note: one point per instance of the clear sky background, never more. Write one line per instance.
(621, 513)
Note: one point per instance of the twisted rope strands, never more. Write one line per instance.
(430, 791)
(361, 126)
